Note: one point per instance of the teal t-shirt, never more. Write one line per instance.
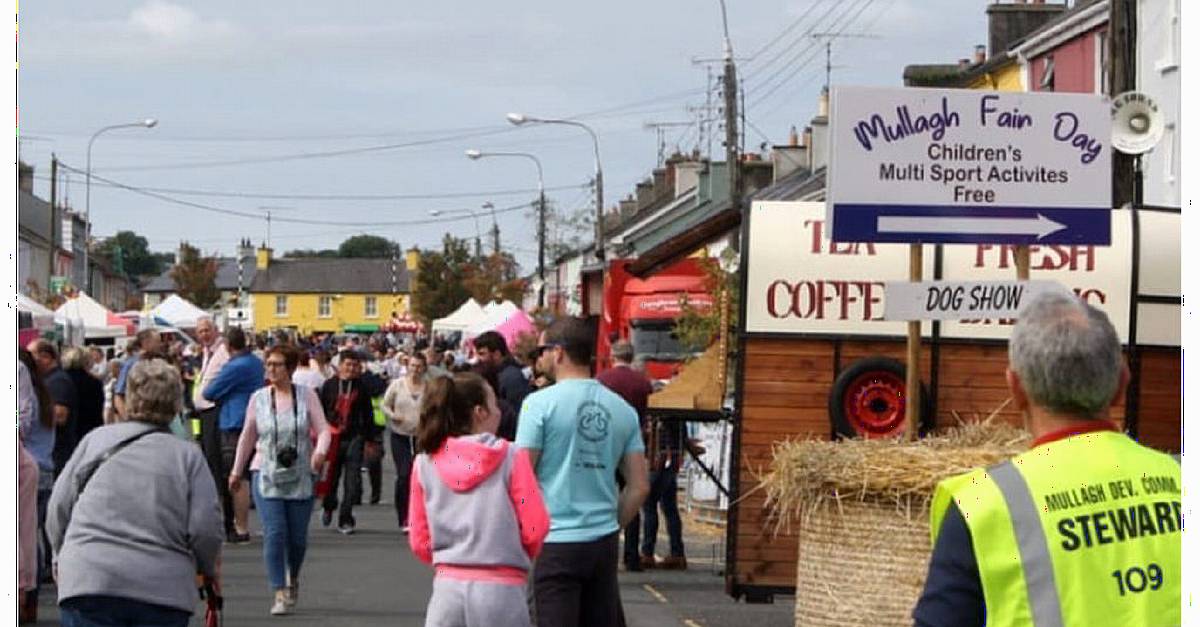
(582, 430)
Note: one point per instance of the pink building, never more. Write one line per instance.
(1069, 54)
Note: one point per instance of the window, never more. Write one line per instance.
(370, 307)
(324, 307)
(1047, 83)
(281, 306)
(1102, 63)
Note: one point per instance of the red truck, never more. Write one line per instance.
(644, 311)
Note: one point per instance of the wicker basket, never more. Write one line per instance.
(862, 512)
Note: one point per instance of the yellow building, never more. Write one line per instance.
(330, 295)
(1000, 73)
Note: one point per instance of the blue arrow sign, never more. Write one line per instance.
(970, 224)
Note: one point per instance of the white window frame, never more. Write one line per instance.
(324, 306)
(1047, 81)
(1101, 76)
(281, 306)
(370, 307)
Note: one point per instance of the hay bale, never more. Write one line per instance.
(863, 510)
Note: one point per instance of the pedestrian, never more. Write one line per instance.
(402, 405)
(323, 365)
(99, 368)
(110, 384)
(308, 372)
(477, 514)
(230, 390)
(27, 533)
(347, 406)
(287, 436)
(134, 514)
(1082, 529)
(147, 344)
(375, 385)
(579, 434)
(63, 396)
(513, 386)
(214, 355)
(89, 392)
(635, 388)
(36, 428)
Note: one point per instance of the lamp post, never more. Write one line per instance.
(87, 194)
(518, 119)
(478, 245)
(477, 154)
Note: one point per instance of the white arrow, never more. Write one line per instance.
(1040, 226)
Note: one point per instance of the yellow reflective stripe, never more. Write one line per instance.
(1031, 543)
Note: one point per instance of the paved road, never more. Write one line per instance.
(371, 578)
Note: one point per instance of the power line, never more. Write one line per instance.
(794, 63)
(354, 197)
(803, 37)
(259, 216)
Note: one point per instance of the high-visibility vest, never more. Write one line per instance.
(1079, 531)
(377, 411)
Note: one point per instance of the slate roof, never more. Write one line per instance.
(226, 280)
(331, 276)
(794, 186)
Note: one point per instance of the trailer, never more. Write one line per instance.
(817, 360)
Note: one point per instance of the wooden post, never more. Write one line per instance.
(912, 383)
(1022, 262)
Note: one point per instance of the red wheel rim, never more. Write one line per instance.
(874, 403)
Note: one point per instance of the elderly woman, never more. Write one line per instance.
(89, 393)
(134, 514)
(287, 435)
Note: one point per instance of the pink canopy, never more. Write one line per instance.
(517, 324)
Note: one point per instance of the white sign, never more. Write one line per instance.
(800, 282)
(965, 166)
(951, 300)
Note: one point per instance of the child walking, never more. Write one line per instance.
(475, 509)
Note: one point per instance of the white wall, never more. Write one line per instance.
(1158, 58)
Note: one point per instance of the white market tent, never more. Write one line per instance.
(43, 317)
(465, 316)
(177, 311)
(499, 314)
(97, 321)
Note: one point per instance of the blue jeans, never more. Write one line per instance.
(106, 611)
(664, 492)
(285, 533)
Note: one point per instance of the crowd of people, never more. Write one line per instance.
(284, 425)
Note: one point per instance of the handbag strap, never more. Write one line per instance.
(84, 475)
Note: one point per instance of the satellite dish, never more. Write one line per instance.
(1137, 123)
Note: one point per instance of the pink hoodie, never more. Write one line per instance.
(475, 510)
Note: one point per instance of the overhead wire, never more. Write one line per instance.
(809, 52)
(751, 74)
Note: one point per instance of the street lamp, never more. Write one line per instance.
(475, 155)
(478, 246)
(87, 203)
(518, 119)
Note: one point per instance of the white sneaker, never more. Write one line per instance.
(292, 592)
(280, 607)
(404, 530)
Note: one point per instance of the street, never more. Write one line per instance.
(371, 578)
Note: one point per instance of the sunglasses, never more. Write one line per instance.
(541, 350)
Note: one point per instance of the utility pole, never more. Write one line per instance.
(541, 244)
(1122, 42)
(732, 150)
(55, 227)
(496, 238)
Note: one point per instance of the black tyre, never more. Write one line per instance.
(868, 400)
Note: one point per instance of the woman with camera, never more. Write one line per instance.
(286, 431)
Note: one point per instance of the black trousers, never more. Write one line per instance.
(375, 472)
(575, 584)
(403, 447)
(346, 470)
(210, 445)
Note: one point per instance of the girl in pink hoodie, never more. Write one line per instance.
(475, 509)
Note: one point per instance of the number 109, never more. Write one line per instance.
(1136, 580)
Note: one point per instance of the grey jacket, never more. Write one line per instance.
(148, 521)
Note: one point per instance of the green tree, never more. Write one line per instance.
(129, 252)
(195, 276)
(300, 253)
(368, 246)
(495, 277)
(441, 285)
(697, 328)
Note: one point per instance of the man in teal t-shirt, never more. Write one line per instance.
(579, 435)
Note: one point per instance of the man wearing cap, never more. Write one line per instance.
(1082, 529)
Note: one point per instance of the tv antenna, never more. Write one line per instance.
(828, 38)
(660, 129)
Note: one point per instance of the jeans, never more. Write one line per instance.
(575, 584)
(285, 534)
(402, 456)
(106, 611)
(663, 491)
(346, 468)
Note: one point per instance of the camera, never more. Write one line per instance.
(286, 456)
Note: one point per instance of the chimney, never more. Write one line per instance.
(793, 137)
(627, 207)
(964, 63)
(787, 159)
(25, 177)
(645, 194)
(1009, 22)
(823, 103)
(808, 146)
(661, 179)
(245, 249)
(262, 258)
(980, 54)
(687, 176)
(412, 259)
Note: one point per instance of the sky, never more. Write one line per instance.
(249, 96)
